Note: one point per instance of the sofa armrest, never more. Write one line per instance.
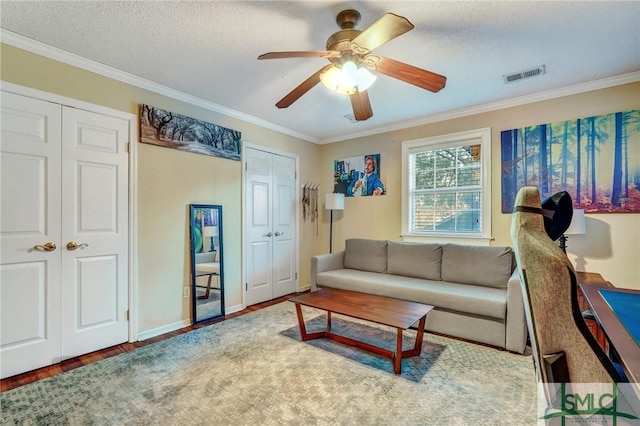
(325, 262)
(516, 326)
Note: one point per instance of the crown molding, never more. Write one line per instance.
(60, 55)
(575, 89)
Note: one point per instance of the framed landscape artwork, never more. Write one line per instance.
(171, 130)
(595, 159)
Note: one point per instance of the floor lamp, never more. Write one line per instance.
(578, 226)
(333, 202)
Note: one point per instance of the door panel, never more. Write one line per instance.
(285, 260)
(23, 300)
(95, 209)
(259, 280)
(98, 210)
(30, 215)
(95, 293)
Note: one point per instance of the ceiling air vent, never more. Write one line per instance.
(521, 75)
(351, 118)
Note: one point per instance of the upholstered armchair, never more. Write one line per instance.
(563, 348)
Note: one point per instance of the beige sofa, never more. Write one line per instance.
(475, 289)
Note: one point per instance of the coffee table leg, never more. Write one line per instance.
(397, 361)
(418, 346)
(303, 329)
(328, 321)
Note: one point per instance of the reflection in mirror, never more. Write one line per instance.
(207, 278)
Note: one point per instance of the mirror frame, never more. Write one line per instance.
(192, 217)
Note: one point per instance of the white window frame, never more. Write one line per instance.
(471, 137)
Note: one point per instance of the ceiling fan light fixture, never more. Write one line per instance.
(347, 80)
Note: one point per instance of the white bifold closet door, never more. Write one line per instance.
(271, 226)
(64, 233)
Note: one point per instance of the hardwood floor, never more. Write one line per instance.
(53, 370)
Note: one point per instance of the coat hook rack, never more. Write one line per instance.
(310, 201)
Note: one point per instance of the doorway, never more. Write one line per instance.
(65, 264)
(271, 224)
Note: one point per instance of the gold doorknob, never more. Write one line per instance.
(47, 247)
(72, 245)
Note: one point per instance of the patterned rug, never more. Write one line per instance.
(209, 307)
(254, 370)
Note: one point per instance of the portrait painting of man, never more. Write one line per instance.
(358, 176)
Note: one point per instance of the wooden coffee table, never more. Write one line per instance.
(397, 313)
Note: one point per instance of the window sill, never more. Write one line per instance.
(462, 239)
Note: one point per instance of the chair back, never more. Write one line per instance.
(549, 289)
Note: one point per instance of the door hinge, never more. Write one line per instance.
(126, 315)
(296, 275)
(246, 286)
(246, 165)
(129, 147)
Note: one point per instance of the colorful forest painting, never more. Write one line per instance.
(595, 159)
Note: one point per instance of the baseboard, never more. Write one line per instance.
(144, 335)
(232, 309)
(306, 288)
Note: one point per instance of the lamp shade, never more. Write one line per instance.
(348, 79)
(578, 224)
(210, 231)
(334, 201)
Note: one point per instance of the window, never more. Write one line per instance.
(447, 186)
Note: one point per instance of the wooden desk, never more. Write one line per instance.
(592, 278)
(620, 345)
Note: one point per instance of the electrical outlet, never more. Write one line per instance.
(185, 292)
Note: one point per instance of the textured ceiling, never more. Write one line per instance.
(208, 49)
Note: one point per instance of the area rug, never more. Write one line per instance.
(255, 370)
(209, 307)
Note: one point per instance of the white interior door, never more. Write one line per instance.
(284, 226)
(271, 227)
(30, 216)
(259, 226)
(64, 180)
(94, 218)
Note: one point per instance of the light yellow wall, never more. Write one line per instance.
(612, 245)
(168, 181)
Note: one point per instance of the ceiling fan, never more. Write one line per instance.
(349, 51)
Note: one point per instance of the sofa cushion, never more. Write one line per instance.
(481, 265)
(366, 255)
(414, 260)
(475, 300)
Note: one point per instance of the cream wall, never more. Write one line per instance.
(168, 181)
(612, 245)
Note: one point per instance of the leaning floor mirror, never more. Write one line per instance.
(207, 272)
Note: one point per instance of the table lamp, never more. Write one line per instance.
(211, 232)
(578, 226)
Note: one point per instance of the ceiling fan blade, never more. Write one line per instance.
(361, 106)
(408, 73)
(302, 88)
(302, 54)
(383, 30)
